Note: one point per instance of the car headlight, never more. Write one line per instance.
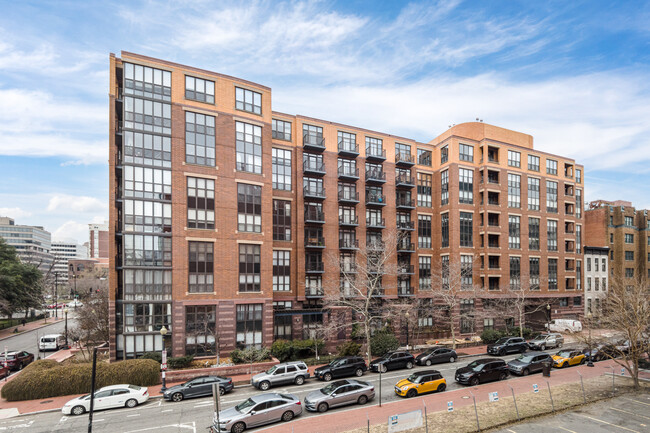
(224, 421)
(404, 388)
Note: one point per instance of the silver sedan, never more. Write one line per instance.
(258, 410)
(340, 393)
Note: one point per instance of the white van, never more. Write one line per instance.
(564, 325)
(51, 342)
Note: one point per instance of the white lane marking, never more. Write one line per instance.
(63, 419)
(17, 426)
(636, 401)
(566, 429)
(608, 423)
(166, 410)
(98, 420)
(187, 426)
(135, 414)
(630, 413)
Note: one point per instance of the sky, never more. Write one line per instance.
(575, 75)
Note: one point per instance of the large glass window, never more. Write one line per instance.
(533, 162)
(148, 82)
(424, 189)
(444, 271)
(249, 147)
(465, 186)
(147, 250)
(514, 158)
(144, 317)
(466, 152)
(281, 271)
(148, 116)
(444, 154)
(200, 330)
(424, 272)
(374, 146)
(629, 238)
(552, 274)
(199, 139)
(347, 141)
(424, 231)
(147, 149)
(282, 329)
(249, 326)
(199, 89)
(281, 130)
(201, 267)
(144, 182)
(424, 157)
(514, 231)
(514, 190)
(533, 193)
(551, 166)
(444, 225)
(281, 160)
(551, 235)
(444, 187)
(467, 316)
(281, 220)
(147, 285)
(515, 273)
(466, 229)
(533, 266)
(466, 272)
(578, 238)
(578, 203)
(248, 100)
(551, 196)
(533, 233)
(249, 208)
(249, 268)
(200, 203)
(147, 216)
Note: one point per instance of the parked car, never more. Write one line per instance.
(4, 371)
(74, 304)
(482, 370)
(546, 341)
(198, 387)
(281, 374)
(421, 382)
(527, 363)
(108, 397)
(564, 325)
(16, 360)
(598, 352)
(507, 345)
(339, 393)
(565, 358)
(341, 367)
(51, 342)
(258, 410)
(436, 355)
(392, 361)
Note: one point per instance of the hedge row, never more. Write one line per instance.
(291, 350)
(47, 378)
(173, 363)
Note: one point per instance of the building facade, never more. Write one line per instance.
(62, 252)
(98, 241)
(33, 243)
(596, 276)
(225, 215)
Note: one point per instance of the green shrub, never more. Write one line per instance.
(282, 349)
(180, 361)
(236, 356)
(383, 342)
(514, 331)
(47, 378)
(489, 336)
(156, 356)
(349, 348)
(307, 348)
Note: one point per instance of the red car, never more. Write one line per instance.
(16, 360)
(4, 371)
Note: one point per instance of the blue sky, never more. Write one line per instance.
(575, 75)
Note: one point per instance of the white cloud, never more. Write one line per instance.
(72, 230)
(14, 212)
(76, 204)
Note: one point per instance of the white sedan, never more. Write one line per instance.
(108, 397)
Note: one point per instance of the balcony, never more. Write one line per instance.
(404, 203)
(348, 268)
(375, 200)
(405, 247)
(375, 246)
(405, 269)
(349, 149)
(348, 244)
(313, 168)
(375, 176)
(347, 172)
(375, 223)
(314, 267)
(373, 154)
(313, 292)
(313, 193)
(493, 198)
(493, 262)
(349, 220)
(406, 225)
(378, 292)
(346, 196)
(404, 181)
(493, 177)
(405, 291)
(404, 159)
(315, 242)
(313, 216)
(493, 241)
(313, 142)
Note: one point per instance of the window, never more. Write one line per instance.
(533, 193)
(424, 157)
(200, 330)
(143, 182)
(551, 167)
(533, 266)
(148, 116)
(312, 162)
(611, 238)
(629, 238)
(199, 89)
(551, 235)
(589, 263)
(444, 154)
(147, 285)
(466, 228)
(514, 231)
(147, 149)
(579, 275)
(578, 175)
(467, 316)
(629, 255)
(444, 224)
(552, 274)
(148, 82)
(201, 267)
(249, 325)
(200, 203)
(281, 220)
(424, 272)
(147, 216)
(563, 302)
(465, 186)
(282, 327)
(424, 189)
(281, 176)
(533, 233)
(281, 130)
(629, 221)
(281, 271)
(444, 270)
(374, 146)
(488, 323)
(515, 273)
(199, 139)
(249, 268)
(311, 323)
(249, 147)
(247, 100)
(424, 231)
(589, 284)
(444, 187)
(514, 190)
(578, 203)
(551, 196)
(596, 264)
(347, 141)
(533, 162)
(596, 284)
(611, 220)
(514, 158)
(466, 272)
(629, 273)
(466, 152)
(147, 250)
(249, 208)
(578, 239)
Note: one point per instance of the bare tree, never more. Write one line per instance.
(92, 321)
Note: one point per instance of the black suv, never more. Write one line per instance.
(507, 345)
(341, 367)
(482, 370)
(392, 361)
(531, 362)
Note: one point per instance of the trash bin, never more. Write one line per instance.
(546, 369)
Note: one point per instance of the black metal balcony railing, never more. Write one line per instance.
(405, 225)
(349, 172)
(404, 180)
(377, 292)
(315, 242)
(348, 196)
(314, 291)
(314, 216)
(374, 153)
(316, 267)
(349, 220)
(375, 176)
(405, 291)
(375, 246)
(313, 142)
(348, 148)
(406, 269)
(316, 167)
(405, 246)
(404, 158)
(376, 199)
(348, 268)
(349, 244)
(403, 202)
(314, 192)
(375, 223)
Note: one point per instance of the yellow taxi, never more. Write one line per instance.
(420, 383)
(565, 358)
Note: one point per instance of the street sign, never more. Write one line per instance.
(404, 421)
(163, 366)
(163, 363)
(494, 396)
(450, 406)
(622, 372)
(535, 388)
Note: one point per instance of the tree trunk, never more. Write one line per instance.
(521, 323)
(367, 332)
(453, 333)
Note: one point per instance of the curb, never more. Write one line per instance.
(33, 329)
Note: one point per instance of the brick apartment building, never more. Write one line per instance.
(223, 212)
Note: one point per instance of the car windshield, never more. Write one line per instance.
(8, 356)
(525, 358)
(135, 387)
(541, 337)
(271, 370)
(414, 378)
(475, 365)
(564, 353)
(501, 341)
(329, 388)
(243, 406)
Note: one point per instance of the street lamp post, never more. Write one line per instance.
(548, 317)
(591, 361)
(65, 311)
(56, 295)
(163, 365)
(407, 330)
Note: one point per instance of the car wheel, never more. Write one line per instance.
(383, 368)
(177, 396)
(428, 363)
(452, 359)
(474, 381)
(502, 352)
(358, 372)
(564, 364)
(20, 366)
(411, 393)
(542, 347)
(582, 361)
(523, 349)
(264, 385)
(131, 403)
(222, 391)
(525, 372)
(238, 428)
(300, 380)
(78, 410)
(362, 399)
(503, 376)
(322, 407)
(441, 387)
(409, 365)
(327, 377)
(287, 416)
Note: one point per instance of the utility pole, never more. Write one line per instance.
(56, 295)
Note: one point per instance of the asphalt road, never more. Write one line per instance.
(28, 340)
(195, 415)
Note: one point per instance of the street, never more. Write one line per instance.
(28, 340)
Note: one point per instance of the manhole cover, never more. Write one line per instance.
(46, 401)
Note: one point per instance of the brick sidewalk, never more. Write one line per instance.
(30, 326)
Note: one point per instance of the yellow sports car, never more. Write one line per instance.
(565, 358)
(420, 383)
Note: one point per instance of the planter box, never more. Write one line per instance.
(230, 371)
